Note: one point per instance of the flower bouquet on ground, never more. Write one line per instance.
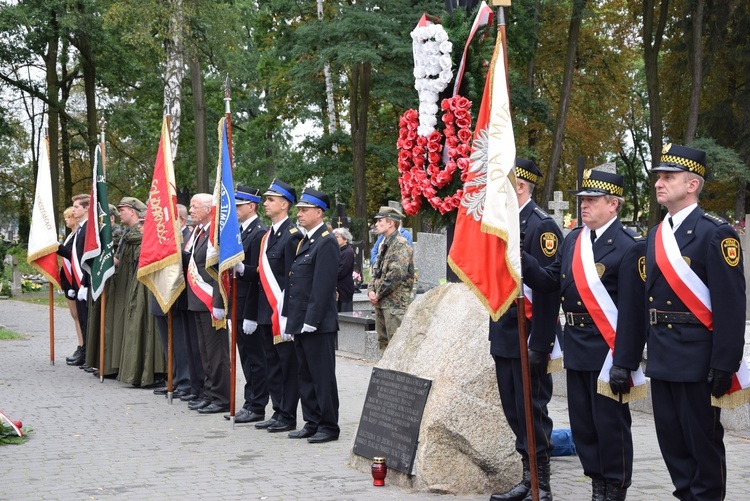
(12, 432)
(435, 141)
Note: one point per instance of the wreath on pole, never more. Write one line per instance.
(435, 142)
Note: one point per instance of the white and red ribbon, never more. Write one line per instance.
(273, 291)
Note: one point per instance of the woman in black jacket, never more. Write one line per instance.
(345, 281)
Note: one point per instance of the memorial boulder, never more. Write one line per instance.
(464, 445)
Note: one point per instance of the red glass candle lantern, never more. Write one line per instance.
(379, 471)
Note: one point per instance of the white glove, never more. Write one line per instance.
(240, 268)
(308, 328)
(249, 326)
(286, 337)
(218, 313)
(71, 294)
(83, 293)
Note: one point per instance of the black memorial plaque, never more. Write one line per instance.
(391, 417)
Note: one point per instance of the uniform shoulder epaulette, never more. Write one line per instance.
(325, 234)
(718, 221)
(632, 233)
(293, 230)
(541, 213)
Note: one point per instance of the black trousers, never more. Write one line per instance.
(601, 430)
(214, 350)
(318, 389)
(82, 308)
(180, 371)
(282, 376)
(691, 439)
(195, 365)
(253, 360)
(510, 386)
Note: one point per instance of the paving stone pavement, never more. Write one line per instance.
(110, 440)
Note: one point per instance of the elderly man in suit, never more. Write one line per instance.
(250, 342)
(206, 305)
(312, 318)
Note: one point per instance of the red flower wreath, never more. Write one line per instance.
(420, 157)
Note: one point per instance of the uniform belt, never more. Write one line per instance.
(578, 318)
(671, 317)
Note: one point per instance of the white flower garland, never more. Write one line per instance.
(432, 71)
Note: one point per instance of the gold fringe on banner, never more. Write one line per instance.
(636, 392)
(732, 400)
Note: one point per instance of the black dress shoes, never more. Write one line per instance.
(178, 393)
(265, 424)
(198, 404)
(189, 397)
(321, 437)
(303, 433)
(279, 427)
(245, 416)
(90, 369)
(160, 391)
(79, 360)
(74, 355)
(213, 409)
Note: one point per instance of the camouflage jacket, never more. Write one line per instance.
(393, 274)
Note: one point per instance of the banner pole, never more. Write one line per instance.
(51, 325)
(233, 281)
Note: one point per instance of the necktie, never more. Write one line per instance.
(593, 236)
(671, 224)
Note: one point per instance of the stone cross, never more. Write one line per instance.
(341, 220)
(558, 206)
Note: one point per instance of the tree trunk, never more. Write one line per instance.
(530, 69)
(359, 100)
(201, 139)
(67, 83)
(651, 45)
(53, 85)
(332, 122)
(697, 67)
(175, 71)
(562, 108)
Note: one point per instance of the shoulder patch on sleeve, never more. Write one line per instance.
(293, 230)
(730, 249)
(549, 243)
(715, 219)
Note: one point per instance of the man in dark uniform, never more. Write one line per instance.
(600, 273)
(542, 237)
(250, 343)
(206, 304)
(276, 254)
(312, 318)
(696, 300)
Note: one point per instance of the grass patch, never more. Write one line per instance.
(42, 297)
(6, 334)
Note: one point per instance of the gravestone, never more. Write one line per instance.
(341, 220)
(558, 206)
(430, 251)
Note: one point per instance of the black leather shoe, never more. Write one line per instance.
(83, 367)
(303, 433)
(198, 404)
(320, 438)
(178, 393)
(264, 425)
(279, 427)
(80, 360)
(90, 369)
(74, 355)
(189, 397)
(160, 391)
(246, 416)
(213, 409)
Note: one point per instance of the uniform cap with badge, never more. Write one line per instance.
(676, 158)
(244, 195)
(597, 183)
(281, 189)
(314, 198)
(134, 204)
(389, 212)
(527, 170)
(113, 211)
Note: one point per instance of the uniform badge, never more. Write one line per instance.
(666, 148)
(642, 267)
(586, 173)
(730, 249)
(600, 269)
(548, 242)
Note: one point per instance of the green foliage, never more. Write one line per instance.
(5, 333)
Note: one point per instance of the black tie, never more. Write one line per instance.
(593, 236)
(671, 224)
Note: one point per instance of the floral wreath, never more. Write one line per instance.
(420, 157)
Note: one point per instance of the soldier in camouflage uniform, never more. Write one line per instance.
(393, 276)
